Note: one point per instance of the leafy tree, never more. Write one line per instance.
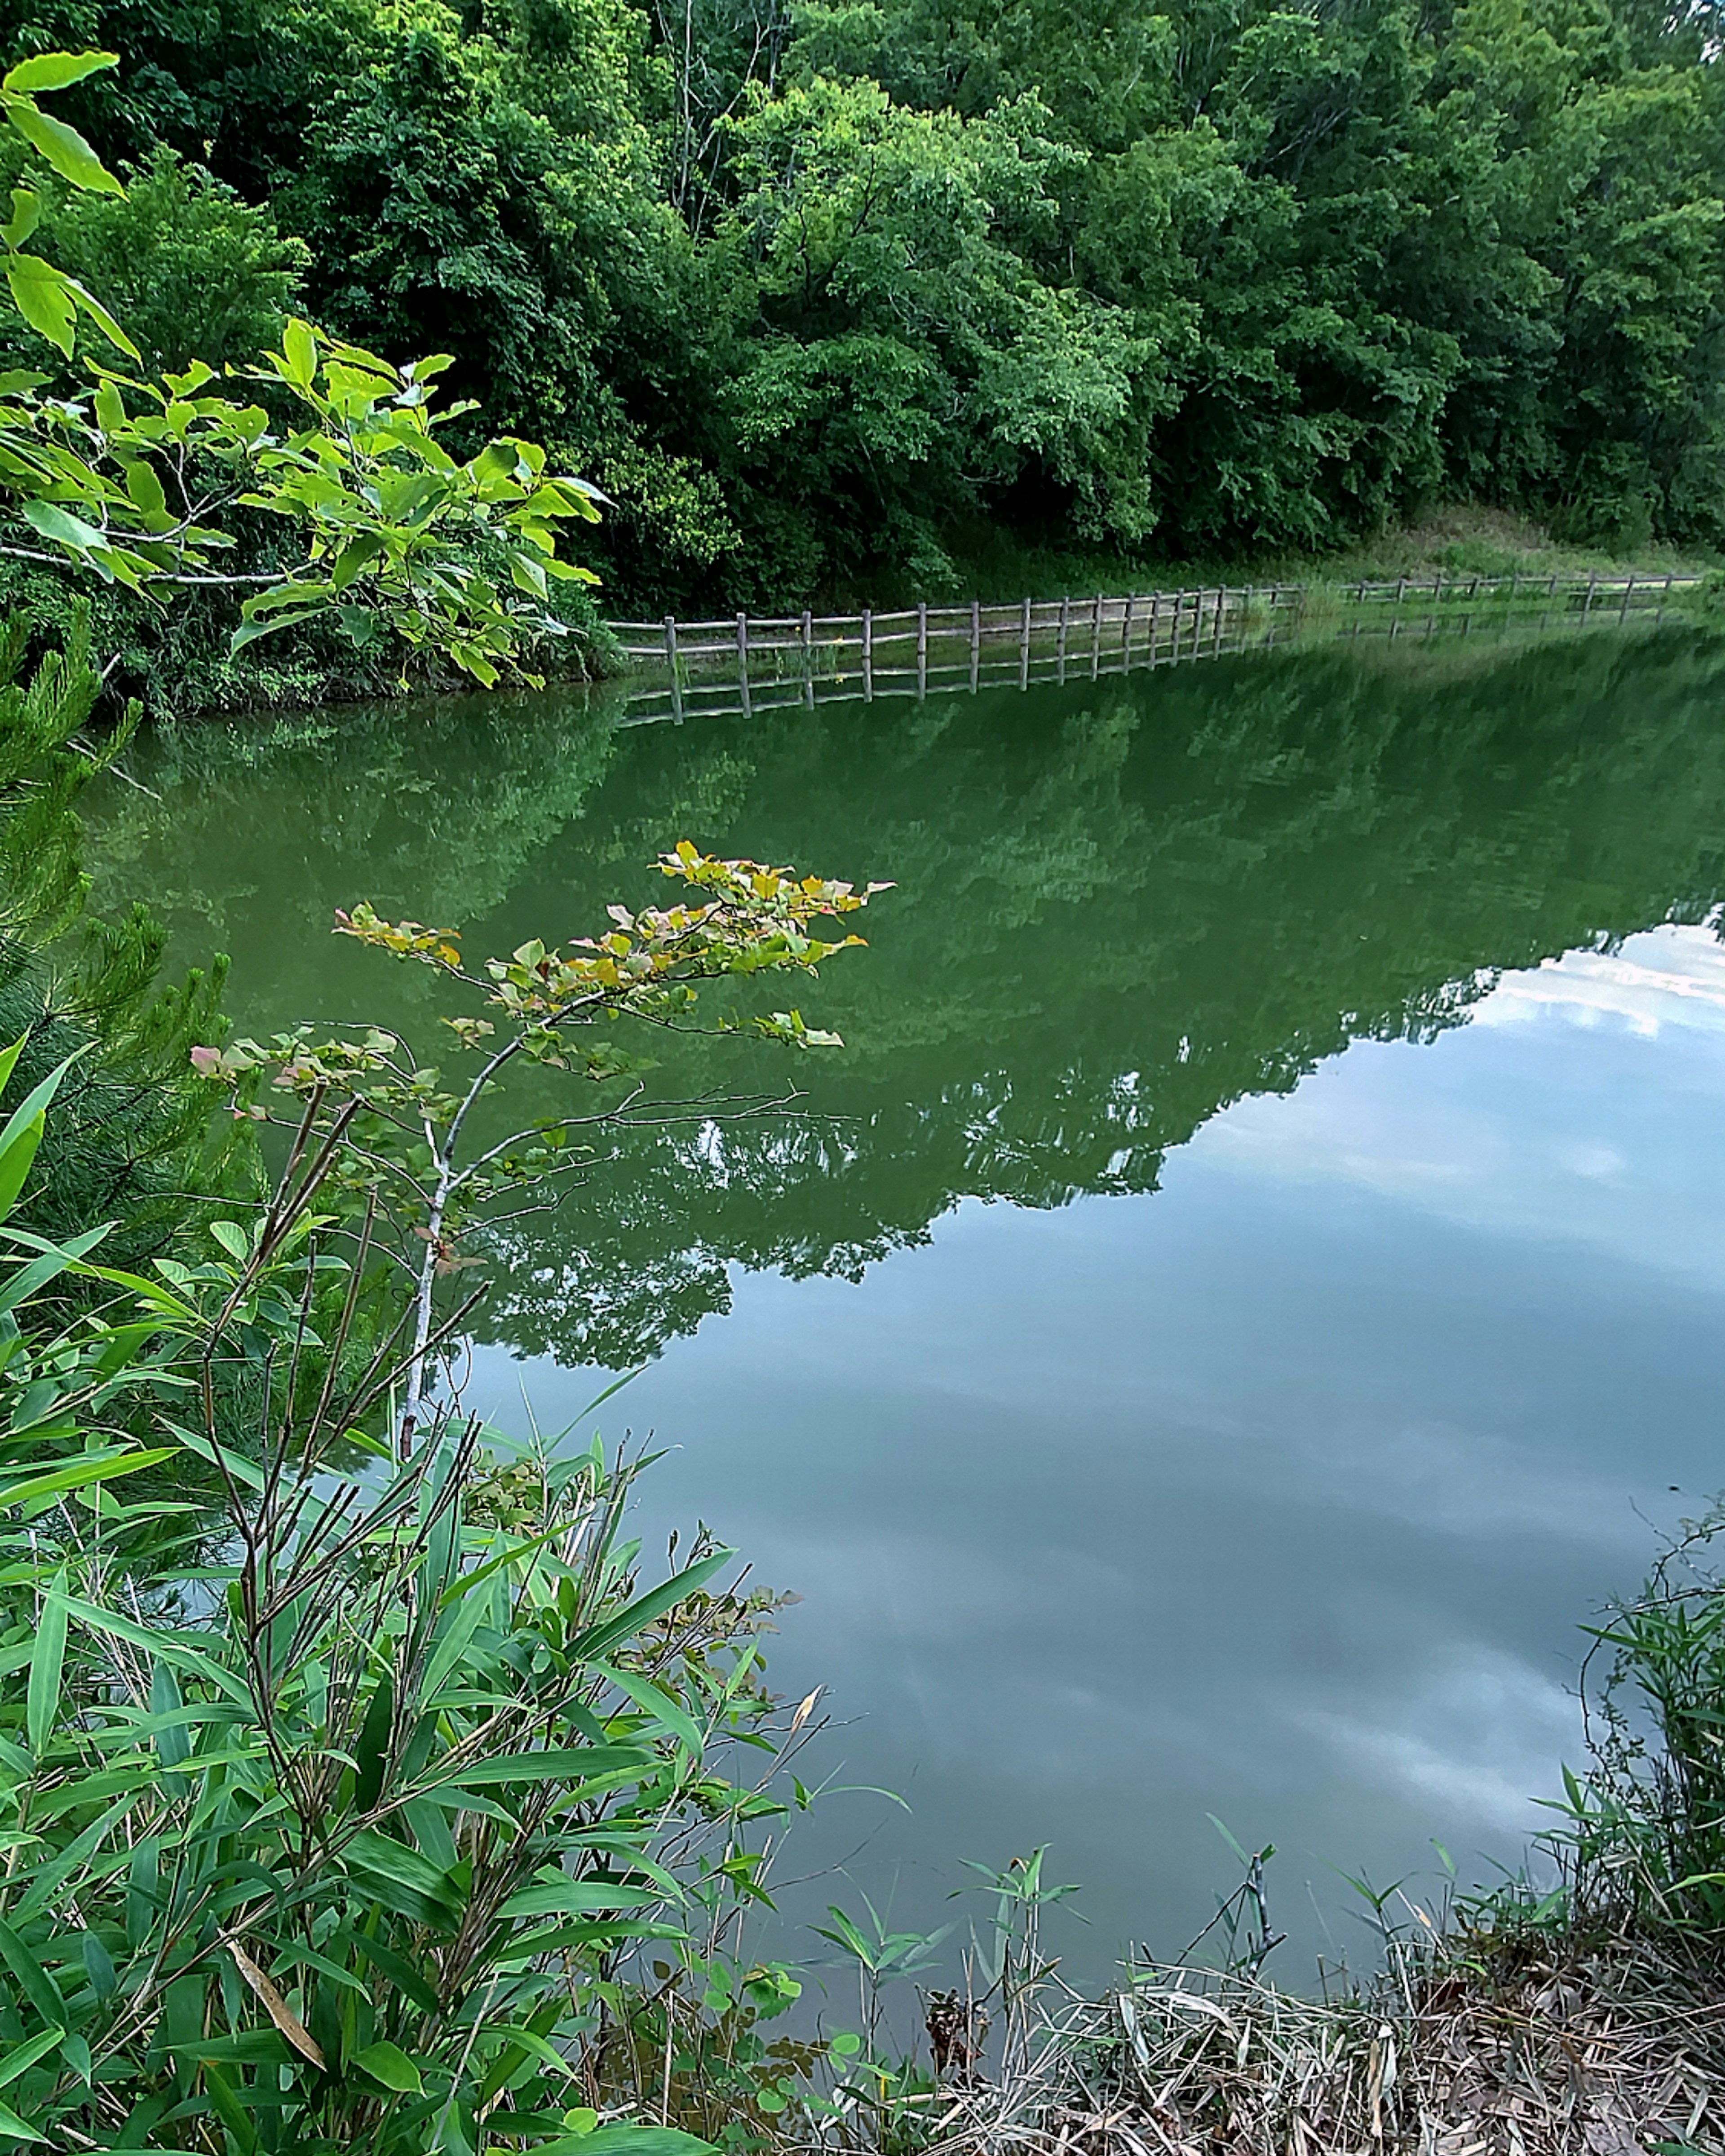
(123, 481)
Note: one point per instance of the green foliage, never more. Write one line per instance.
(192, 271)
(1642, 1840)
(340, 1838)
(339, 1810)
(397, 1129)
(125, 480)
(820, 292)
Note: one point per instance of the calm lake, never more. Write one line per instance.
(1243, 1295)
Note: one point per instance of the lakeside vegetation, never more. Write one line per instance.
(901, 300)
(362, 1788)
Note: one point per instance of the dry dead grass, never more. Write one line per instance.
(1613, 2053)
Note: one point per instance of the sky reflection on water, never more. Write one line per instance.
(1276, 1494)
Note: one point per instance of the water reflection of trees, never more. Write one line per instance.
(1119, 908)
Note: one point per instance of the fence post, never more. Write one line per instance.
(1221, 610)
(976, 643)
(1155, 622)
(1628, 589)
(1125, 631)
(807, 658)
(922, 649)
(1096, 635)
(1587, 603)
(1025, 645)
(670, 660)
(868, 636)
(742, 663)
(1060, 649)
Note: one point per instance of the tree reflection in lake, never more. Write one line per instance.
(1120, 907)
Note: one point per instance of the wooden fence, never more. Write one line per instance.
(767, 661)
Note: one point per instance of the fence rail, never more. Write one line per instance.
(772, 660)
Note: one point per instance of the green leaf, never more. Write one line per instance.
(22, 2056)
(406, 1978)
(627, 2141)
(582, 1764)
(54, 71)
(402, 1879)
(371, 1746)
(37, 1986)
(16, 1160)
(16, 2128)
(645, 1607)
(575, 1898)
(98, 1963)
(80, 1474)
(66, 530)
(43, 1700)
(24, 1125)
(389, 2064)
(26, 215)
(298, 350)
(63, 147)
(659, 1704)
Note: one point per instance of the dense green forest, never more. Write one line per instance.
(830, 295)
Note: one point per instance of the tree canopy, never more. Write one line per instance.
(818, 288)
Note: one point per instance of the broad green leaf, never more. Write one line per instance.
(15, 2128)
(16, 1160)
(37, 1986)
(641, 1612)
(575, 1898)
(244, 1470)
(406, 1978)
(54, 71)
(99, 1964)
(24, 1125)
(62, 147)
(298, 350)
(402, 1879)
(80, 1474)
(526, 2040)
(47, 1881)
(63, 528)
(619, 2140)
(164, 1644)
(389, 2064)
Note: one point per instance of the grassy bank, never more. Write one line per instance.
(1459, 540)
